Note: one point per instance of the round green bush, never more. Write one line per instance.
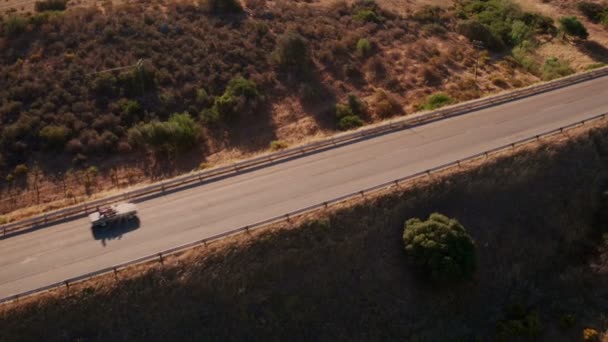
(440, 248)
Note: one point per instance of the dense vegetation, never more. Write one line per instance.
(542, 270)
(212, 61)
(439, 248)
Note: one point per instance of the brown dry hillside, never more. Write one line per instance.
(275, 71)
(537, 217)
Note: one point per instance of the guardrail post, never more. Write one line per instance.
(287, 217)
(458, 162)
(200, 179)
(428, 172)
(362, 194)
(247, 229)
(115, 272)
(160, 257)
(67, 285)
(325, 204)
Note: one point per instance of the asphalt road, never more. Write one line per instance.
(67, 250)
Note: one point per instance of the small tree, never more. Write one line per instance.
(439, 247)
(573, 27)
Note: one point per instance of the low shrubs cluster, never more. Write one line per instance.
(240, 97)
(177, 134)
(436, 101)
(58, 90)
(349, 113)
(440, 248)
(500, 24)
(555, 68)
(571, 26)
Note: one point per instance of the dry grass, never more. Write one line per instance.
(340, 275)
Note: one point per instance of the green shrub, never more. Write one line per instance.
(363, 47)
(476, 31)
(202, 97)
(277, 145)
(436, 101)
(343, 110)
(356, 105)
(520, 32)
(500, 23)
(440, 248)
(241, 96)
(241, 86)
(554, 68)
(573, 27)
(350, 122)
(177, 134)
(521, 55)
(348, 114)
(368, 15)
(130, 111)
(209, 116)
(50, 5)
(54, 136)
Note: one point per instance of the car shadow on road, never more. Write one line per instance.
(115, 230)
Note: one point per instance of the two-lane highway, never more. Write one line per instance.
(69, 249)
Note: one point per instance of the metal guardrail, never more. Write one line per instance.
(286, 217)
(202, 176)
